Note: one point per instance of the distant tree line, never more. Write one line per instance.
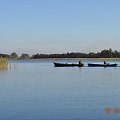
(107, 53)
(4, 55)
(15, 56)
(103, 54)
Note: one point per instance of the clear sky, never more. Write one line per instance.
(51, 26)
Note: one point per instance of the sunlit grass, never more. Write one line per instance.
(3, 63)
(77, 59)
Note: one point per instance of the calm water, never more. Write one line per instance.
(36, 90)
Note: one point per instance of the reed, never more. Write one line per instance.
(3, 63)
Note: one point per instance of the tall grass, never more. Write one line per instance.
(3, 63)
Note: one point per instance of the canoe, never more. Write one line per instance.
(68, 65)
(102, 65)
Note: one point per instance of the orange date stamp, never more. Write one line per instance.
(112, 110)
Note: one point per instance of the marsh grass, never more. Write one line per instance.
(3, 63)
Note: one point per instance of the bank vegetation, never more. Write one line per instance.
(104, 54)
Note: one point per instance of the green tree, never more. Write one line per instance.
(25, 56)
(116, 54)
(14, 55)
(106, 53)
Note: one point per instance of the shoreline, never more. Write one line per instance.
(76, 59)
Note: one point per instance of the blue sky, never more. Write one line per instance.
(51, 26)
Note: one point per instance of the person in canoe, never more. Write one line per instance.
(106, 63)
(80, 62)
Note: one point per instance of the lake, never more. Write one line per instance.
(36, 90)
